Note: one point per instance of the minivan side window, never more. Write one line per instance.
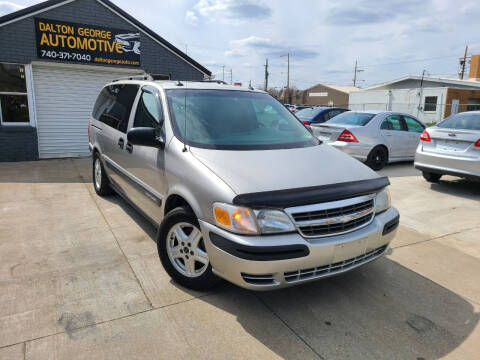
(413, 125)
(114, 105)
(149, 112)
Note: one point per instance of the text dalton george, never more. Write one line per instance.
(84, 38)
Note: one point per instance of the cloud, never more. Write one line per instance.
(7, 7)
(265, 46)
(191, 17)
(231, 11)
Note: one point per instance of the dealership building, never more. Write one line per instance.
(54, 59)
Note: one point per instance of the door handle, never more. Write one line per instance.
(129, 147)
(121, 142)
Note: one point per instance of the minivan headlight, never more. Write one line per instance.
(247, 221)
(382, 201)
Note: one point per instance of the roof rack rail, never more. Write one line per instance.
(148, 77)
(215, 81)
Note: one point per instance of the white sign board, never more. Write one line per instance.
(318, 94)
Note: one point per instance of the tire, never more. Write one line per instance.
(101, 183)
(378, 158)
(179, 236)
(431, 177)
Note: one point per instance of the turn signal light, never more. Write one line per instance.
(425, 136)
(222, 216)
(477, 144)
(347, 136)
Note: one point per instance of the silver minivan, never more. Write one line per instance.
(238, 187)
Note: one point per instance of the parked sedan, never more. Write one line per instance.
(452, 147)
(373, 137)
(318, 114)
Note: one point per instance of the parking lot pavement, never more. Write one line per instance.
(80, 279)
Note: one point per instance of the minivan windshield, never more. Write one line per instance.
(234, 120)
(351, 118)
(461, 121)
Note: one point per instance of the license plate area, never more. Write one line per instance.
(450, 146)
(349, 250)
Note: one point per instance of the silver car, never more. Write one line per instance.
(452, 147)
(373, 137)
(238, 187)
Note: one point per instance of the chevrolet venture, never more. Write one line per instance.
(238, 187)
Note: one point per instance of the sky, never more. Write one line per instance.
(389, 39)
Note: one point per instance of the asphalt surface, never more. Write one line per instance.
(80, 278)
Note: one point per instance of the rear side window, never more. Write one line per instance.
(331, 114)
(413, 125)
(114, 105)
(149, 112)
(392, 122)
(461, 121)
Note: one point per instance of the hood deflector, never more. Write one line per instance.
(311, 195)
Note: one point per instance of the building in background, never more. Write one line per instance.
(328, 95)
(428, 98)
(54, 59)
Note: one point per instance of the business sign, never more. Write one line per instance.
(64, 41)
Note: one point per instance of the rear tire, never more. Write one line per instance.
(378, 158)
(101, 183)
(182, 251)
(431, 177)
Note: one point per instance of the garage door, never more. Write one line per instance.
(64, 99)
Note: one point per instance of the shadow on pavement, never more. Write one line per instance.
(468, 189)
(380, 311)
(399, 169)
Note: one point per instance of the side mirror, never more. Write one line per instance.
(145, 136)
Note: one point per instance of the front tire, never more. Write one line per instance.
(431, 177)
(101, 183)
(182, 251)
(378, 158)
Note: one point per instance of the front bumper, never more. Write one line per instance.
(468, 167)
(355, 150)
(275, 261)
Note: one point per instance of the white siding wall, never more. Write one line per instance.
(402, 100)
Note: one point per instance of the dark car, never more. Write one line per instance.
(318, 114)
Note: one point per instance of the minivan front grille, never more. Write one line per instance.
(329, 213)
(334, 268)
(333, 218)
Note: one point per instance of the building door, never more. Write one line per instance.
(64, 98)
(455, 103)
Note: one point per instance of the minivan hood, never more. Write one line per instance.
(267, 170)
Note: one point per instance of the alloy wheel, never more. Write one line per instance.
(186, 249)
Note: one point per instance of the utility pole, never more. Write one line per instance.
(357, 70)
(231, 76)
(223, 72)
(463, 63)
(287, 92)
(420, 93)
(288, 70)
(266, 75)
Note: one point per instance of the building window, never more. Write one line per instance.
(430, 103)
(473, 104)
(13, 95)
